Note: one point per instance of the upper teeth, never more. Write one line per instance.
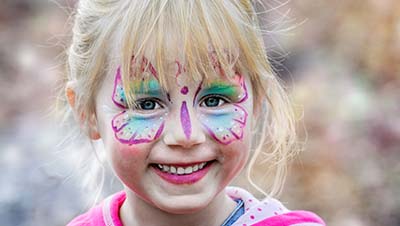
(181, 170)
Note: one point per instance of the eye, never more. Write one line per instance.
(147, 104)
(213, 101)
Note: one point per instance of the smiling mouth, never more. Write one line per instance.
(182, 174)
(181, 170)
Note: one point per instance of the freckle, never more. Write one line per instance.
(276, 213)
(259, 209)
(252, 217)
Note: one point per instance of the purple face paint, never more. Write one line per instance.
(225, 124)
(130, 127)
(179, 69)
(184, 90)
(118, 96)
(145, 65)
(185, 120)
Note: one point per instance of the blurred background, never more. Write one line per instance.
(340, 59)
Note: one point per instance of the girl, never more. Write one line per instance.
(180, 92)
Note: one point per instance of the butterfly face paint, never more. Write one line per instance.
(224, 123)
(131, 126)
(185, 120)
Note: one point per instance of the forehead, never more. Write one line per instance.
(177, 75)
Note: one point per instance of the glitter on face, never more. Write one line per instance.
(129, 126)
(133, 129)
(226, 124)
(185, 120)
(118, 95)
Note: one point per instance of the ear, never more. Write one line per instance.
(80, 117)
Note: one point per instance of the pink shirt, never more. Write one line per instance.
(268, 212)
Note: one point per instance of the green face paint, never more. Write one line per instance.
(146, 87)
(130, 128)
(221, 88)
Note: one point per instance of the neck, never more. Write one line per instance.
(136, 211)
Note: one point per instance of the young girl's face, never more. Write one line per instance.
(176, 149)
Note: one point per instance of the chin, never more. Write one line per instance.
(184, 205)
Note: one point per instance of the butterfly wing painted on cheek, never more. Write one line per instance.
(130, 128)
(226, 127)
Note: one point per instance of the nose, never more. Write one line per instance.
(183, 129)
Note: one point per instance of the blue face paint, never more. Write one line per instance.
(226, 123)
(129, 126)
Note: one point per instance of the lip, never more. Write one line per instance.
(186, 178)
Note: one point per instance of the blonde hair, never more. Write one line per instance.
(229, 29)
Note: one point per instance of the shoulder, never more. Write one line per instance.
(106, 211)
(270, 212)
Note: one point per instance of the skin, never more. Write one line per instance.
(150, 199)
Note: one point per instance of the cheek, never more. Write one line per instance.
(227, 125)
(127, 160)
(129, 129)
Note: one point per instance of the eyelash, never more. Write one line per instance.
(218, 97)
(156, 101)
(158, 105)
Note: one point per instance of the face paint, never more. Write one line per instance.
(184, 90)
(225, 124)
(149, 87)
(135, 129)
(118, 95)
(169, 98)
(129, 126)
(185, 120)
(179, 69)
(145, 65)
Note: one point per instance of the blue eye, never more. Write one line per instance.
(213, 101)
(147, 104)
